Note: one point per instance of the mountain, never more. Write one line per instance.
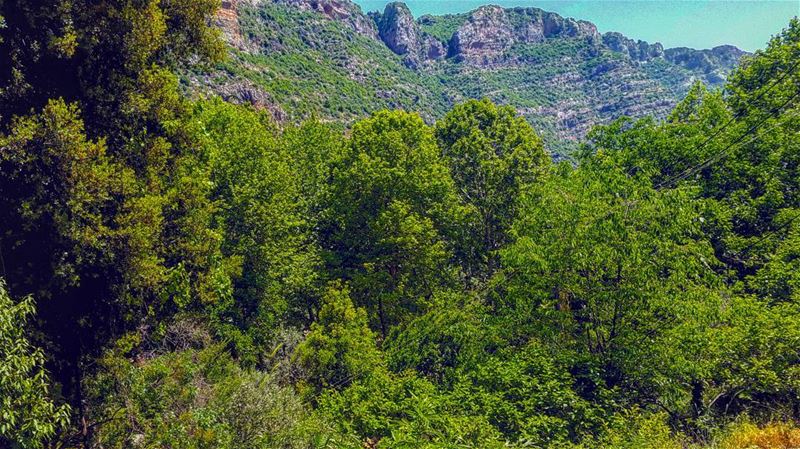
(299, 58)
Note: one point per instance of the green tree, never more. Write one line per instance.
(115, 219)
(340, 348)
(56, 187)
(493, 154)
(28, 415)
(263, 219)
(618, 275)
(754, 366)
(736, 156)
(391, 207)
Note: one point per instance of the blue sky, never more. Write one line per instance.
(748, 24)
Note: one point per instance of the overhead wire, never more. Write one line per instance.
(739, 114)
(767, 235)
(718, 156)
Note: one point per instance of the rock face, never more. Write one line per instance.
(327, 57)
(341, 10)
(400, 32)
(228, 20)
(486, 35)
(434, 49)
(636, 50)
(490, 31)
(715, 63)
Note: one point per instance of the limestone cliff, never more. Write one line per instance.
(326, 58)
(341, 10)
(399, 31)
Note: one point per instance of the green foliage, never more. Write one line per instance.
(527, 396)
(392, 203)
(313, 147)
(404, 411)
(778, 278)
(105, 200)
(450, 338)
(617, 273)
(493, 154)
(56, 186)
(340, 348)
(28, 416)
(103, 54)
(756, 367)
(198, 399)
(261, 212)
(637, 430)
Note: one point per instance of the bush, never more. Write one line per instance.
(198, 399)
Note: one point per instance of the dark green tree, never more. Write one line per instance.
(107, 56)
(105, 200)
(493, 154)
(391, 207)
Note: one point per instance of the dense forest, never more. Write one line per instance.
(186, 273)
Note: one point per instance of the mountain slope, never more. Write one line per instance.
(326, 58)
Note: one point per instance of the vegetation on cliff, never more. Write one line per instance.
(301, 57)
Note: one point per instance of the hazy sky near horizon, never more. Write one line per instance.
(748, 24)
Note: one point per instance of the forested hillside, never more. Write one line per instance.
(300, 58)
(183, 272)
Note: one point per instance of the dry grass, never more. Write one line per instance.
(771, 436)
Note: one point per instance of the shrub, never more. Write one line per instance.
(197, 399)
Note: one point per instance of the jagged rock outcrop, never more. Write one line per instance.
(490, 31)
(556, 26)
(636, 50)
(342, 10)
(400, 32)
(484, 36)
(715, 62)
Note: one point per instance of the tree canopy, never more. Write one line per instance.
(186, 272)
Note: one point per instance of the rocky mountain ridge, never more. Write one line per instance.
(487, 33)
(327, 58)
